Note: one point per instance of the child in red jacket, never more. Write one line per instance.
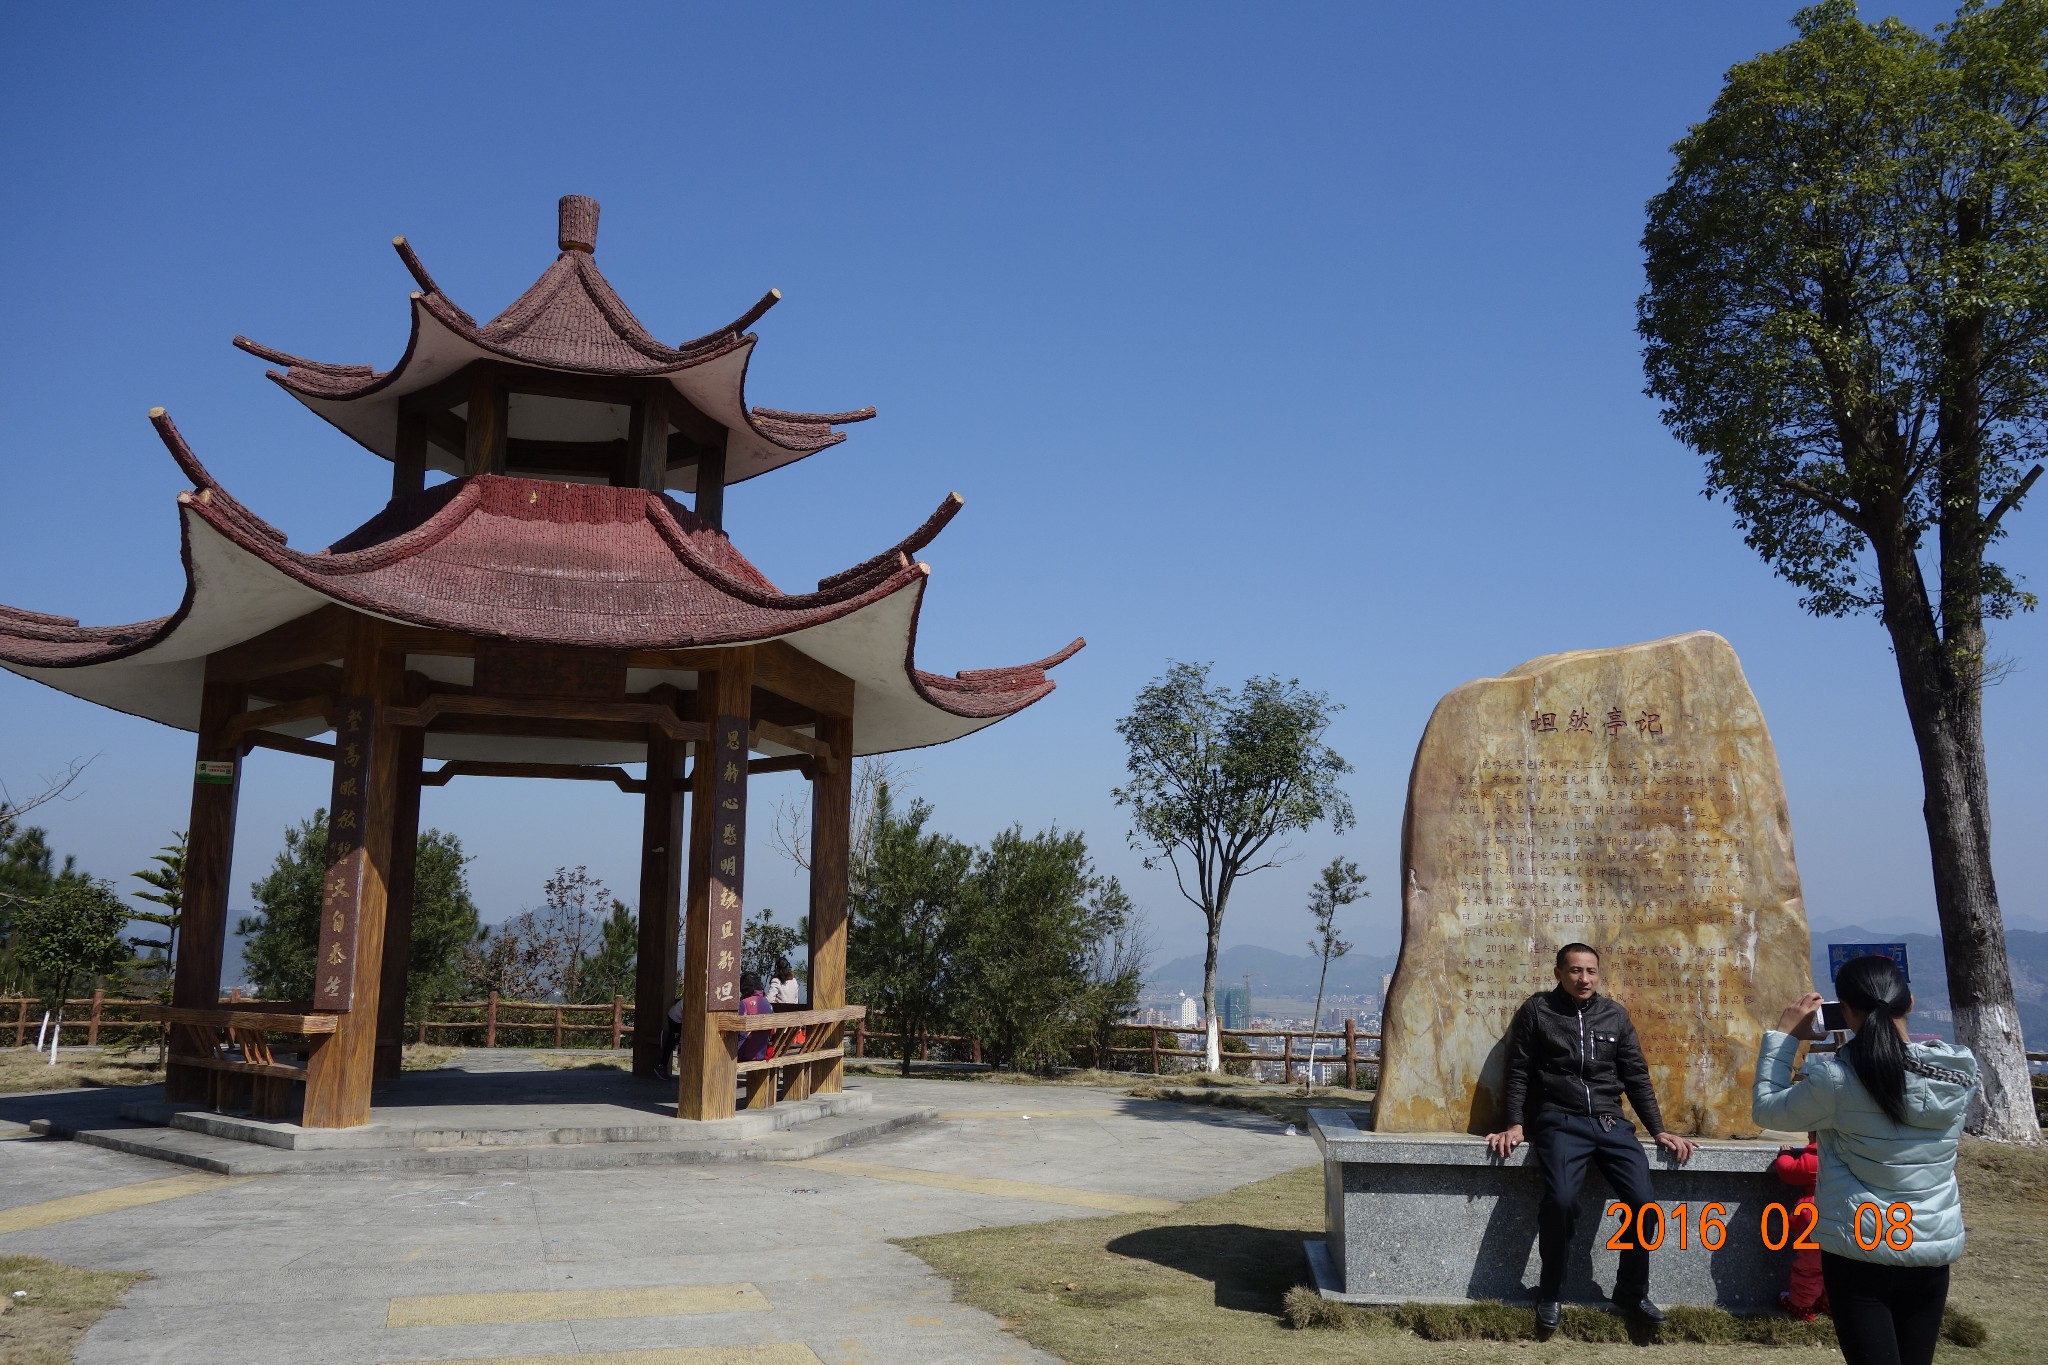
(1799, 1167)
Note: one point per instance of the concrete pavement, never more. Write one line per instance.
(747, 1264)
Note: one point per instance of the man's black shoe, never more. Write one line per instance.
(1547, 1315)
(1638, 1306)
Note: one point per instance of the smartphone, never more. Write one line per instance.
(1833, 1017)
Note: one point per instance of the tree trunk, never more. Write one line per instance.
(1315, 1022)
(1214, 1060)
(1944, 703)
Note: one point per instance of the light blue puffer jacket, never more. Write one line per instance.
(1865, 1158)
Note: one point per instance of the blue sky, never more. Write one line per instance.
(1299, 340)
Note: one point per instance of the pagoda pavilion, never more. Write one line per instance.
(548, 611)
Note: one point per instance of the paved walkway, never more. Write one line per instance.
(771, 1264)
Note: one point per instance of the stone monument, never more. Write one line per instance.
(1628, 798)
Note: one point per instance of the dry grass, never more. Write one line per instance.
(62, 1304)
(428, 1056)
(1212, 1281)
(23, 1069)
(570, 1061)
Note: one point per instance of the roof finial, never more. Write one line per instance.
(578, 231)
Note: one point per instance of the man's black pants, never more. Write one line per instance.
(1560, 1147)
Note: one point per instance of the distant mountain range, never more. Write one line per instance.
(2027, 948)
(1291, 977)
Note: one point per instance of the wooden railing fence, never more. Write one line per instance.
(542, 1023)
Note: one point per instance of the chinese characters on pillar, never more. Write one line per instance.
(341, 891)
(728, 861)
(1647, 723)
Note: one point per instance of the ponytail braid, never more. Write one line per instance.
(1877, 1054)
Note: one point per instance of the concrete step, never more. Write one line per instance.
(228, 1156)
(530, 1125)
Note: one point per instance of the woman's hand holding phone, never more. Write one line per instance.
(1801, 1018)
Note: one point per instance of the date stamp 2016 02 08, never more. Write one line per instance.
(1777, 1225)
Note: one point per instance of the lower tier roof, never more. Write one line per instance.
(527, 561)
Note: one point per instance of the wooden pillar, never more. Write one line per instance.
(661, 884)
(405, 847)
(831, 838)
(706, 1073)
(489, 404)
(409, 467)
(339, 1071)
(710, 506)
(646, 463)
(209, 857)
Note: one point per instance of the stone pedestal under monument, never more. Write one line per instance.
(1435, 1218)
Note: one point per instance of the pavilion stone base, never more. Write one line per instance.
(1435, 1218)
(500, 1125)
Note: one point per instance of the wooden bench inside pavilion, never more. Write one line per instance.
(548, 609)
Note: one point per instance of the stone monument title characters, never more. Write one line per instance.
(1572, 1053)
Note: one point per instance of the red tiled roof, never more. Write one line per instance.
(543, 562)
(570, 320)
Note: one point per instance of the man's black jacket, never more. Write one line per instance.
(1564, 1058)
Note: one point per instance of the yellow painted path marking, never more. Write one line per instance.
(972, 1115)
(1001, 1189)
(571, 1305)
(111, 1200)
(768, 1353)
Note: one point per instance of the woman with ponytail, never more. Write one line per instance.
(1887, 1112)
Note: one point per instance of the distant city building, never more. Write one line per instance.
(1189, 1011)
(1234, 1007)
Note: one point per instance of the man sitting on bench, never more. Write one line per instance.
(1572, 1052)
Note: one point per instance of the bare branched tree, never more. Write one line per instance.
(54, 787)
(791, 828)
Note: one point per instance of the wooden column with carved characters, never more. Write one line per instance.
(355, 895)
(831, 842)
(707, 1075)
(209, 858)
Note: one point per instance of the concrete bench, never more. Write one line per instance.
(1436, 1218)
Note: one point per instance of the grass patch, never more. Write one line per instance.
(24, 1070)
(428, 1056)
(62, 1304)
(1219, 1279)
(569, 1061)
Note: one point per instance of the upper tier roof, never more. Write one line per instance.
(570, 321)
(524, 560)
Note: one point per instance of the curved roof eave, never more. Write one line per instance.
(761, 439)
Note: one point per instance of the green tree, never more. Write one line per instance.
(1035, 913)
(28, 872)
(1115, 971)
(609, 971)
(444, 922)
(70, 936)
(906, 921)
(282, 939)
(1216, 775)
(765, 940)
(1339, 884)
(166, 883)
(1847, 317)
